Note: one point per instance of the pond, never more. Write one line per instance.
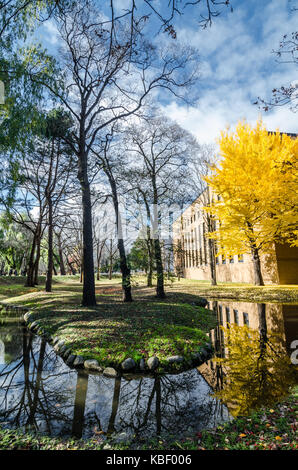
(39, 392)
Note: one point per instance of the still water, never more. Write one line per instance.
(39, 392)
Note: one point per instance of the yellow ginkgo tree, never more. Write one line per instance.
(256, 181)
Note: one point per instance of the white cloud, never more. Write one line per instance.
(238, 66)
(49, 32)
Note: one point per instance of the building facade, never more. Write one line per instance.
(192, 253)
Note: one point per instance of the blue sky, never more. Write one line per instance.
(237, 66)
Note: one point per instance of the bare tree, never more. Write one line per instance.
(110, 161)
(58, 164)
(16, 14)
(201, 167)
(287, 53)
(162, 149)
(30, 209)
(109, 71)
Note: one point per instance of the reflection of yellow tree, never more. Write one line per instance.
(257, 368)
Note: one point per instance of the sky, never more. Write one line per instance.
(237, 66)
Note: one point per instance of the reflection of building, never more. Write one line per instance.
(192, 255)
(280, 319)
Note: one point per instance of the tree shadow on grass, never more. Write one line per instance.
(119, 329)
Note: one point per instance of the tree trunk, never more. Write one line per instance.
(257, 266)
(149, 241)
(160, 293)
(89, 298)
(255, 256)
(125, 271)
(150, 249)
(98, 258)
(36, 263)
(149, 274)
(126, 286)
(211, 244)
(212, 262)
(32, 273)
(70, 266)
(30, 270)
(50, 247)
(61, 262)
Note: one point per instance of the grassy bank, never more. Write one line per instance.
(241, 292)
(113, 331)
(14, 286)
(267, 429)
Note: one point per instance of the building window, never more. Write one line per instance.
(222, 337)
(240, 258)
(220, 314)
(245, 319)
(231, 259)
(204, 243)
(236, 317)
(228, 315)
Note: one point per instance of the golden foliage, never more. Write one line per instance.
(257, 182)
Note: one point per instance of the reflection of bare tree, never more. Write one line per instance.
(115, 405)
(39, 392)
(262, 329)
(27, 397)
(79, 405)
(165, 405)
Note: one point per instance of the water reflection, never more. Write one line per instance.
(38, 391)
(251, 368)
(252, 344)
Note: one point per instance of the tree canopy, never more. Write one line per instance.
(255, 180)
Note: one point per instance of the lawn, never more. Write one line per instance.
(235, 291)
(114, 331)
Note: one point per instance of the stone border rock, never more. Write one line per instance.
(151, 365)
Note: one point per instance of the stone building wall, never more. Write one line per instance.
(280, 266)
